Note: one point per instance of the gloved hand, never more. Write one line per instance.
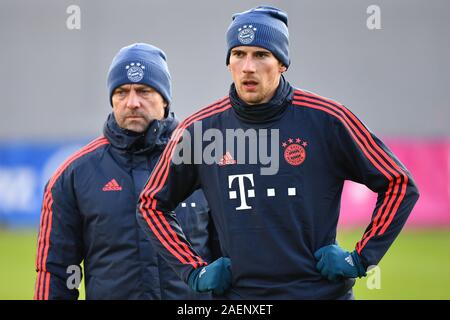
(335, 262)
(215, 277)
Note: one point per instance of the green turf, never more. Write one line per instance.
(416, 267)
(17, 266)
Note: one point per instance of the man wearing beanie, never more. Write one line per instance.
(88, 211)
(277, 230)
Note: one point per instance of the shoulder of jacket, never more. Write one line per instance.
(212, 110)
(78, 158)
(313, 102)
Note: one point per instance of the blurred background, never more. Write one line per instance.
(388, 64)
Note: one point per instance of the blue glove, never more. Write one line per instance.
(215, 277)
(335, 263)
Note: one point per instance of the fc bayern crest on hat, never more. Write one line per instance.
(135, 71)
(246, 34)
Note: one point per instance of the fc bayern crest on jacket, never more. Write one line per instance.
(295, 151)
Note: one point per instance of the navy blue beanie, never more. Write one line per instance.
(263, 26)
(140, 63)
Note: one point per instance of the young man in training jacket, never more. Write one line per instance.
(276, 216)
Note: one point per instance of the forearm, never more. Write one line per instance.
(169, 241)
(388, 219)
(50, 286)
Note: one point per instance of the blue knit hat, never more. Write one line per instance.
(263, 26)
(140, 63)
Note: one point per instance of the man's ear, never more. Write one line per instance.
(282, 68)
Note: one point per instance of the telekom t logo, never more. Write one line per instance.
(242, 191)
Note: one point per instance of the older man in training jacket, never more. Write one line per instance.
(88, 211)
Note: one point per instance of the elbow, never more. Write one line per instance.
(413, 190)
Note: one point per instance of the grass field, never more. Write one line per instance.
(416, 267)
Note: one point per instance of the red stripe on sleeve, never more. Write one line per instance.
(166, 164)
(157, 180)
(388, 206)
(43, 279)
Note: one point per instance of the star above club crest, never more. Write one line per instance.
(284, 144)
(290, 140)
(297, 140)
(305, 143)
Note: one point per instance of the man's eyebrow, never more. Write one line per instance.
(262, 51)
(254, 52)
(143, 86)
(122, 88)
(128, 87)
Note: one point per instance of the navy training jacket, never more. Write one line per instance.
(88, 214)
(270, 225)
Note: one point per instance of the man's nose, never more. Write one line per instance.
(133, 99)
(249, 65)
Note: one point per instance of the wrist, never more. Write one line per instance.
(361, 269)
(192, 279)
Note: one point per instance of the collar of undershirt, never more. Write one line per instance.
(265, 112)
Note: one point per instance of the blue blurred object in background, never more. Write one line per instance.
(24, 170)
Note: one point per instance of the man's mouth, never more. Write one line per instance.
(249, 85)
(134, 117)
